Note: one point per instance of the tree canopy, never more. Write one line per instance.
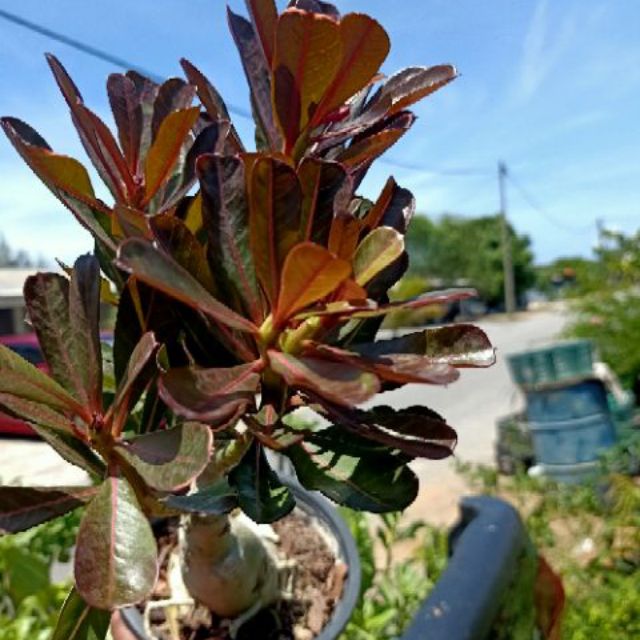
(454, 248)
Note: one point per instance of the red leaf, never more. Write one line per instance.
(326, 191)
(127, 113)
(414, 83)
(258, 75)
(364, 47)
(310, 273)
(214, 396)
(161, 272)
(394, 208)
(274, 219)
(264, 15)
(307, 57)
(116, 560)
(165, 150)
(226, 216)
(338, 382)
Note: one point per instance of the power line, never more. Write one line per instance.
(105, 56)
(532, 202)
(89, 50)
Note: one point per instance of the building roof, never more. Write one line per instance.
(12, 282)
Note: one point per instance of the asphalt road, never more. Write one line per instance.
(471, 405)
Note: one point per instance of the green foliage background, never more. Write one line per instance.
(453, 248)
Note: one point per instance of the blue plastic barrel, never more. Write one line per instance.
(572, 441)
(560, 361)
(571, 473)
(558, 404)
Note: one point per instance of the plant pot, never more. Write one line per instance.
(326, 515)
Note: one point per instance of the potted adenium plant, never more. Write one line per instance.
(247, 285)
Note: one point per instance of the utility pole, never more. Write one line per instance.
(507, 260)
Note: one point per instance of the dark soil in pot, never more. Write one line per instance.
(323, 590)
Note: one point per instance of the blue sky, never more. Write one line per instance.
(552, 87)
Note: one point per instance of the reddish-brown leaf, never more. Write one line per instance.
(414, 83)
(116, 559)
(340, 383)
(264, 16)
(307, 57)
(396, 368)
(225, 213)
(169, 460)
(214, 396)
(394, 208)
(161, 272)
(326, 191)
(127, 113)
(24, 507)
(344, 235)
(461, 345)
(165, 150)
(310, 273)
(258, 75)
(364, 47)
(274, 219)
(376, 252)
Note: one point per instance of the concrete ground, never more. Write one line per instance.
(471, 405)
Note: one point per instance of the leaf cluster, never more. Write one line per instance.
(247, 284)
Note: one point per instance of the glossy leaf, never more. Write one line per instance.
(461, 345)
(24, 507)
(94, 135)
(65, 337)
(116, 561)
(84, 318)
(344, 235)
(133, 381)
(394, 208)
(22, 380)
(414, 83)
(264, 16)
(310, 273)
(416, 431)
(226, 217)
(339, 382)
(326, 191)
(127, 113)
(258, 75)
(424, 300)
(65, 177)
(169, 460)
(274, 220)
(354, 472)
(173, 95)
(71, 449)
(214, 500)
(79, 621)
(376, 252)
(177, 240)
(161, 272)
(397, 368)
(364, 47)
(215, 396)
(316, 5)
(166, 147)
(367, 149)
(307, 57)
(261, 495)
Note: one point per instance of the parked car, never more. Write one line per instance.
(27, 346)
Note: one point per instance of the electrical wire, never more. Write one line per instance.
(97, 53)
(533, 203)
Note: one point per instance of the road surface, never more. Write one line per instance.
(471, 405)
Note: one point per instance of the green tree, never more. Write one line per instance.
(454, 249)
